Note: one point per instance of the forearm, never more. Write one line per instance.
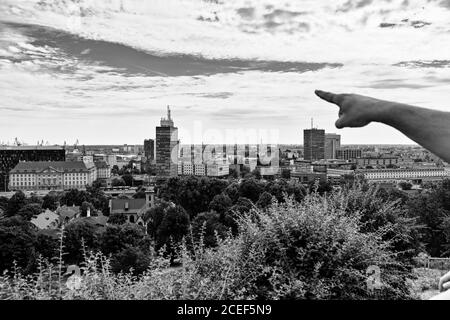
(429, 128)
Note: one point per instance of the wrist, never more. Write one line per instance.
(382, 111)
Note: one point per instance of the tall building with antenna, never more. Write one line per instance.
(314, 143)
(166, 156)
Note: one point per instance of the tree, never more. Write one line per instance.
(115, 170)
(117, 237)
(285, 174)
(30, 211)
(131, 258)
(118, 182)
(15, 203)
(140, 194)
(220, 203)
(173, 228)
(234, 173)
(47, 246)
(282, 187)
(251, 189)
(154, 216)
(208, 223)
(243, 205)
(4, 203)
(117, 218)
(51, 201)
(265, 200)
(98, 199)
(128, 179)
(320, 186)
(193, 193)
(431, 209)
(97, 184)
(405, 185)
(74, 197)
(244, 171)
(256, 174)
(35, 199)
(17, 243)
(76, 233)
(232, 191)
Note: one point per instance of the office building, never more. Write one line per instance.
(314, 144)
(332, 144)
(149, 150)
(348, 154)
(166, 148)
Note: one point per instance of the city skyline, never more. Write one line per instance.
(103, 71)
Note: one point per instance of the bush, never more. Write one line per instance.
(208, 225)
(312, 250)
(320, 248)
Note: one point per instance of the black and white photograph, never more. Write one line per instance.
(247, 151)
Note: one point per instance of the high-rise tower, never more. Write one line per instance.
(166, 148)
(332, 144)
(314, 144)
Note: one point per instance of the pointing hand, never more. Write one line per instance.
(354, 110)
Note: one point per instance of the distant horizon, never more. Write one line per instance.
(141, 144)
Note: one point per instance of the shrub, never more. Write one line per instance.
(312, 250)
(320, 248)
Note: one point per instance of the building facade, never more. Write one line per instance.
(392, 175)
(11, 156)
(217, 170)
(382, 161)
(149, 150)
(348, 153)
(103, 170)
(166, 148)
(332, 144)
(314, 144)
(52, 175)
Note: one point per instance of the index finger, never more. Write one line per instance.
(327, 96)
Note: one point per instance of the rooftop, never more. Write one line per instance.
(134, 205)
(37, 166)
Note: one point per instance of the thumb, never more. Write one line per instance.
(340, 123)
(446, 286)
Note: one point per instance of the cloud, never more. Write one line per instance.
(251, 29)
(94, 69)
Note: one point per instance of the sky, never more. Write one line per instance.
(103, 71)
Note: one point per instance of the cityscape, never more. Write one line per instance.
(43, 168)
(246, 154)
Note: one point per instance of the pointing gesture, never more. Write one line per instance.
(429, 128)
(354, 110)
